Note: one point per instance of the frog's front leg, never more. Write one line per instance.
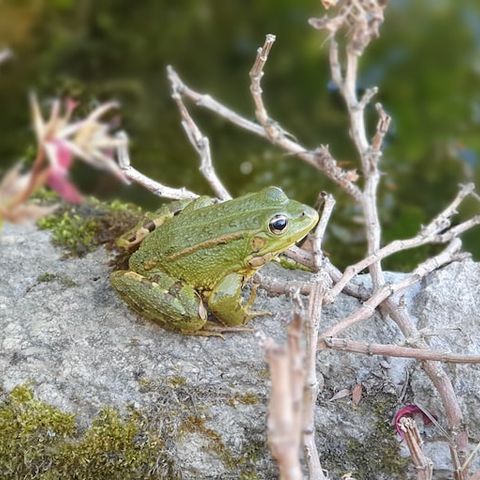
(225, 301)
(163, 299)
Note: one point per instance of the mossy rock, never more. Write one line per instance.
(79, 229)
(39, 441)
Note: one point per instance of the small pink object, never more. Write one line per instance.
(411, 411)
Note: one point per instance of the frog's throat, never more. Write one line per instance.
(213, 242)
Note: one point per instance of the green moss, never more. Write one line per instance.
(79, 229)
(377, 453)
(39, 441)
(73, 232)
(48, 277)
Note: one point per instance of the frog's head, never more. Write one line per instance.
(281, 223)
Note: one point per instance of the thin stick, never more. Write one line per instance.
(311, 326)
(423, 465)
(326, 204)
(421, 354)
(320, 158)
(368, 308)
(285, 406)
(156, 188)
(201, 144)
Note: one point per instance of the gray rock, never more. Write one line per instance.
(63, 329)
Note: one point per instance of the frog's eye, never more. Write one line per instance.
(278, 224)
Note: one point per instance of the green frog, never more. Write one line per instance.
(195, 257)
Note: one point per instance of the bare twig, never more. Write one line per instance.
(423, 465)
(369, 158)
(285, 407)
(312, 384)
(202, 146)
(368, 308)
(469, 460)
(326, 203)
(320, 158)
(156, 188)
(353, 346)
(434, 232)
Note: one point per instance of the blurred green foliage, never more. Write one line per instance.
(426, 63)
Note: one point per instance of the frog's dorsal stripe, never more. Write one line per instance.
(212, 242)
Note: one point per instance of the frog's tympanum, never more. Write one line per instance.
(195, 257)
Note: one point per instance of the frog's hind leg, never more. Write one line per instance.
(163, 299)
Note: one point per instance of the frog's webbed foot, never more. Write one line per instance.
(225, 302)
(251, 299)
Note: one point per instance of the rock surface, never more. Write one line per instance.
(64, 331)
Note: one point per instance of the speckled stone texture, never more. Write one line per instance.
(63, 330)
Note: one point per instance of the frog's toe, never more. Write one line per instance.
(215, 329)
(259, 313)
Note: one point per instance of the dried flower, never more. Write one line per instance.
(60, 139)
(89, 139)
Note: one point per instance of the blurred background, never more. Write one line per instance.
(426, 63)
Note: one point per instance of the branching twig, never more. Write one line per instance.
(320, 158)
(156, 188)
(434, 232)
(369, 157)
(368, 308)
(326, 203)
(202, 146)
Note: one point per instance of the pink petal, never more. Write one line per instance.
(409, 411)
(59, 182)
(63, 154)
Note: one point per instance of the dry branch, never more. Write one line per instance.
(320, 158)
(312, 384)
(423, 465)
(285, 408)
(123, 158)
(202, 146)
(353, 346)
(369, 157)
(448, 255)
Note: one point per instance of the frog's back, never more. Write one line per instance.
(200, 245)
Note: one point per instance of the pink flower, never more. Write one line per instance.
(62, 139)
(58, 173)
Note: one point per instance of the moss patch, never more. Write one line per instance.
(48, 277)
(79, 229)
(377, 453)
(38, 441)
